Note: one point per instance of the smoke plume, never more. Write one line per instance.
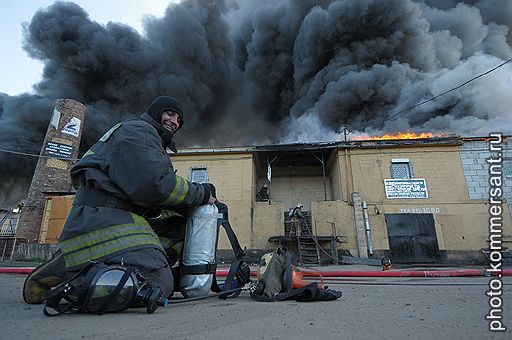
(258, 72)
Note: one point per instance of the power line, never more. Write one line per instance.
(37, 156)
(19, 153)
(450, 90)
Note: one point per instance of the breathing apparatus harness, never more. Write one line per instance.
(239, 271)
(101, 288)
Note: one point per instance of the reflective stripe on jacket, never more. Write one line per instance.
(130, 163)
(101, 243)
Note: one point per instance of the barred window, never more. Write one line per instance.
(401, 168)
(199, 175)
(507, 168)
(9, 228)
(13, 224)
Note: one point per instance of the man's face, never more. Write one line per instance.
(171, 120)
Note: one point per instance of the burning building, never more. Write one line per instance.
(278, 73)
(267, 72)
(419, 200)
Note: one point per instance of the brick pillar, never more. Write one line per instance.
(58, 155)
(360, 227)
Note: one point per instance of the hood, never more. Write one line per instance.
(165, 134)
(164, 103)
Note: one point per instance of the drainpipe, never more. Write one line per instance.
(350, 177)
(323, 174)
(367, 227)
(362, 244)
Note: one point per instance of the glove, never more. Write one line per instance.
(213, 191)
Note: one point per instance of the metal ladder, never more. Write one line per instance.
(306, 244)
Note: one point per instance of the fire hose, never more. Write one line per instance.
(346, 273)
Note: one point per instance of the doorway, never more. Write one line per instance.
(412, 238)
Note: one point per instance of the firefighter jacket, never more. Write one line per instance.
(130, 167)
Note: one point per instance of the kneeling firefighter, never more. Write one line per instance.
(110, 257)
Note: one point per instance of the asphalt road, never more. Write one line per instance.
(385, 308)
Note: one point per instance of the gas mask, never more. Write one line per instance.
(100, 288)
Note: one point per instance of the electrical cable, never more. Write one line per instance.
(450, 90)
(19, 153)
(38, 156)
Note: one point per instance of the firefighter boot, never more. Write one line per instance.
(43, 278)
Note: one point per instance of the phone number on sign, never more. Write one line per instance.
(420, 210)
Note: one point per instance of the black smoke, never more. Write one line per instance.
(253, 72)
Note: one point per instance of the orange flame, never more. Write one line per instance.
(400, 135)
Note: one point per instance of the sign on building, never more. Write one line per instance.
(58, 150)
(406, 188)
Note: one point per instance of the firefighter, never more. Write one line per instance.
(296, 214)
(296, 217)
(120, 180)
(263, 195)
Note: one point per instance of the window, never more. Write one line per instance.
(401, 168)
(13, 225)
(199, 175)
(507, 168)
(9, 228)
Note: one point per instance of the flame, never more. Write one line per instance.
(400, 135)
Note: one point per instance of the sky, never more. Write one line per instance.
(18, 72)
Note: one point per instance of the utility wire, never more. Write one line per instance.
(36, 155)
(19, 153)
(450, 90)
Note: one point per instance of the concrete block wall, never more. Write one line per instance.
(473, 156)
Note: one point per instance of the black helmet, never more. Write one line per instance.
(164, 103)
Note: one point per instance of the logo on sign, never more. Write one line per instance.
(72, 128)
